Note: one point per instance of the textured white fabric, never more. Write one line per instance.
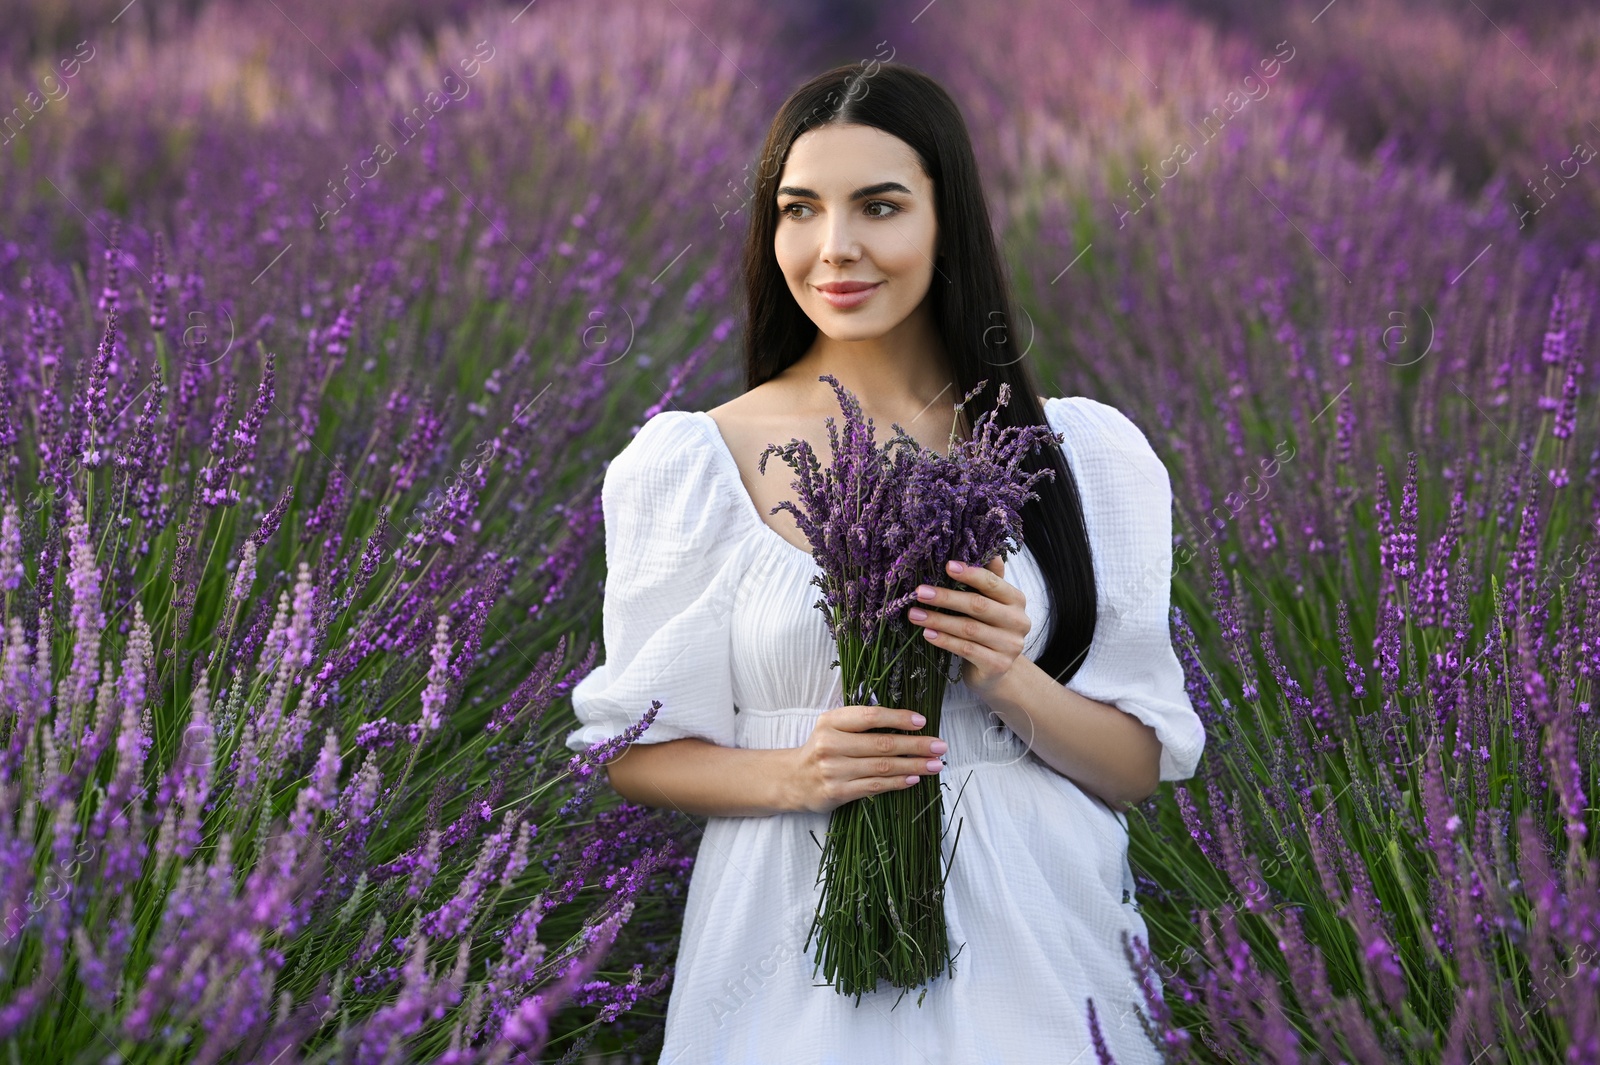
(708, 609)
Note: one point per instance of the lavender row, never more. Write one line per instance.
(300, 533)
(1373, 389)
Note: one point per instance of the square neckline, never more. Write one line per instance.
(720, 445)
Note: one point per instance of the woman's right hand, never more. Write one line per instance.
(857, 751)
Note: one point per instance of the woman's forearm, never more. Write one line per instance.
(1099, 747)
(697, 777)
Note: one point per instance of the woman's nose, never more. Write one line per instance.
(839, 243)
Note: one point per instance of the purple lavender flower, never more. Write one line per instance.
(436, 692)
(12, 572)
(88, 619)
(110, 289)
(158, 294)
(880, 522)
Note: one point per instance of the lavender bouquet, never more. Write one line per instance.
(882, 521)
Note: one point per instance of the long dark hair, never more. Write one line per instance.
(972, 307)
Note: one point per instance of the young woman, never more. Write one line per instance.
(870, 257)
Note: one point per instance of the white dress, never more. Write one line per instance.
(710, 610)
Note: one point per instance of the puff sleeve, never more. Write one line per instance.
(1127, 501)
(670, 541)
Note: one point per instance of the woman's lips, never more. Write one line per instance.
(844, 300)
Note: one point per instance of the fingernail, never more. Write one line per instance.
(939, 746)
(918, 720)
(956, 567)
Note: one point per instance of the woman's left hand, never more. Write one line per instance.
(985, 626)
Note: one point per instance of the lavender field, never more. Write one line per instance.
(318, 325)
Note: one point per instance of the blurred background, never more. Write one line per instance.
(1336, 259)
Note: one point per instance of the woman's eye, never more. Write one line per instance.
(784, 211)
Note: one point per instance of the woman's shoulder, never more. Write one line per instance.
(669, 443)
(672, 472)
(1090, 421)
(1104, 442)
(1085, 413)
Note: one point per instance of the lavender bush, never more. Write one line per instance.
(1474, 93)
(273, 776)
(299, 527)
(1390, 857)
(1373, 394)
(880, 914)
(299, 517)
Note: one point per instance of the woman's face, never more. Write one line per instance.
(855, 206)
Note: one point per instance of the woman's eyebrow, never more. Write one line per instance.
(860, 194)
